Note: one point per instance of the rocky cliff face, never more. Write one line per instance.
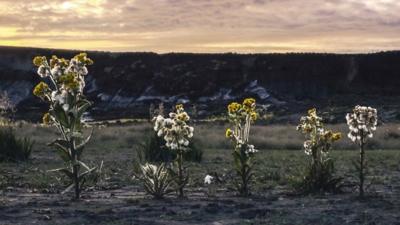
(126, 84)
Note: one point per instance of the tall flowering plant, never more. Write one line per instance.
(317, 145)
(176, 133)
(241, 116)
(62, 88)
(362, 123)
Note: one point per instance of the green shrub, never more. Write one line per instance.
(12, 148)
(152, 149)
(318, 178)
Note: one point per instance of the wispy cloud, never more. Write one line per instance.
(203, 25)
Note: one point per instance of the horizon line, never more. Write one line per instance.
(205, 53)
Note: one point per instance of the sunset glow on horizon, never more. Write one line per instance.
(246, 26)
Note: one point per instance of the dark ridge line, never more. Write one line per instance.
(198, 53)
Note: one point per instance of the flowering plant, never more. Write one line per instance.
(317, 145)
(210, 181)
(362, 123)
(176, 133)
(241, 116)
(64, 94)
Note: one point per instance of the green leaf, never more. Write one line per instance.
(81, 146)
(59, 114)
(62, 147)
(67, 172)
(83, 106)
(60, 143)
(68, 188)
(84, 165)
(81, 176)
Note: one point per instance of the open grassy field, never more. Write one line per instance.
(30, 194)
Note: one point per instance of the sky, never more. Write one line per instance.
(244, 26)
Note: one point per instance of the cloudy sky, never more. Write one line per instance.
(342, 26)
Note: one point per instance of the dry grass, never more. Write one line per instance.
(212, 136)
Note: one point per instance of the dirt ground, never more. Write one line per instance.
(129, 206)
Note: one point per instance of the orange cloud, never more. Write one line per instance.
(203, 25)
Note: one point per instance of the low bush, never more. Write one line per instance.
(156, 179)
(318, 178)
(12, 148)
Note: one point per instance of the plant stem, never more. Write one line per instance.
(75, 169)
(361, 175)
(180, 174)
(76, 182)
(244, 188)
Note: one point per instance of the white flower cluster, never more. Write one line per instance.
(43, 71)
(77, 66)
(208, 179)
(174, 129)
(250, 149)
(60, 97)
(362, 122)
(308, 145)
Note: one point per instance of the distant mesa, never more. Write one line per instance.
(126, 84)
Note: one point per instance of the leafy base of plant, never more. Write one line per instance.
(318, 178)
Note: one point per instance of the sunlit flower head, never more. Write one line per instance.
(174, 129)
(249, 104)
(318, 139)
(47, 119)
(41, 90)
(234, 107)
(362, 122)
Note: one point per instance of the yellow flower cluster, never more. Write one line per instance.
(39, 60)
(241, 116)
(249, 104)
(330, 136)
(241, 111)
(47, 119)
(82, 58)
(69, 81)
(228, 133)
(41, 89)
(234, 107)
(58, 61)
